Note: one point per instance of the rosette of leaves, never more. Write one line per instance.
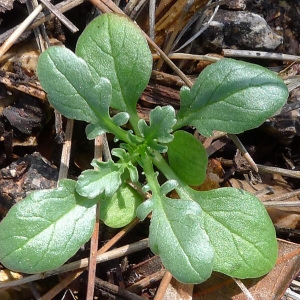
(225, 230)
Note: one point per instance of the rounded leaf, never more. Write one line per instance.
(240, 231)
(45, 229)
(68, 82)
(178, 237)
(114, 47)
(188, 158)
(231, 96)
(120, 209)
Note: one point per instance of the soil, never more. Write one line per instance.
(32, 138)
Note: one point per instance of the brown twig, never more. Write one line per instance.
(61, 285)
(130, 6)
(57, 289)
(163, 286)
(60, 16)
(283, 197)
(143, 283)
(243, 150)
(152, 4)
(281, 204)
(43, 17)
(95, 236)
(79, 264)
(117, 290)
(280, 171)
(20, 29)
(93, 258)
(118, 236)
(259, 55)
(189, 56)
(244, 289)
(174, 33)
(37, 32)
(66, 151)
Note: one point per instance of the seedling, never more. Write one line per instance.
(225, 230)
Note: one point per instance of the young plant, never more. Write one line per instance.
(225, 230)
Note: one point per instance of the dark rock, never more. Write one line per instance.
(240, 30)
(26, 114)
(32, 172)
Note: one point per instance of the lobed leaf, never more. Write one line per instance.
(177, 236)
(114, 48)
(120, 209)
(45, 229)
(105, 179)
(162, 120)
(187, 157)
(240, 231)
(127, 162)
(231, 96)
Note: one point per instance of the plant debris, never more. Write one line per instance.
(27, 136)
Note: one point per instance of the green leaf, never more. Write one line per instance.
(187, 157)
(168, 186)
(107, 179)
(114, 48)
(70, 87)
(45, 229)
(120, 209)
(231, 96)
(93, 130)
(177, 236)
(240, 230)
(121, 118)
(126, 160)
(162, 120)
(145, 209)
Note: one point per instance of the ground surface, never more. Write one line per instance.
(32, 138)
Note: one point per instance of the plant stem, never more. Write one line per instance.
(150, 174)
(181, 122)
(182, 188)
(118, 132)
(134, 119)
